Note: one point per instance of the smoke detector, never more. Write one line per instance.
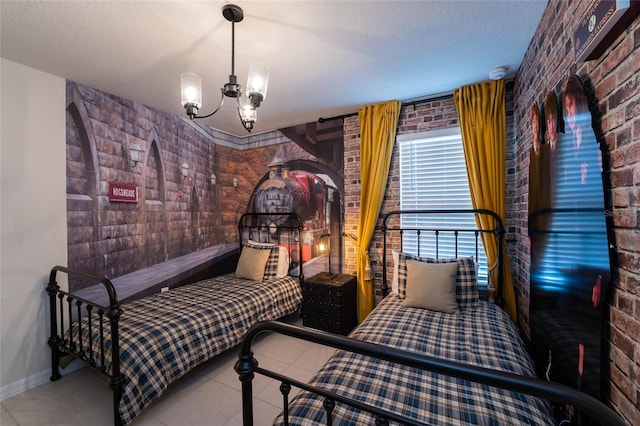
(498, 73)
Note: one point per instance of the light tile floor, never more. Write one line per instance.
(207, 396)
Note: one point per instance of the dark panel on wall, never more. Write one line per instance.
(570, 267)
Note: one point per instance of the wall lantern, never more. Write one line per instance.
(184, 170)
(213, 179)
(325, 248)
(135, 153)
(235, 183)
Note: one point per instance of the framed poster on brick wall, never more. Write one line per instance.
(606, 20)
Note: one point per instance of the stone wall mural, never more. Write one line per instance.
(178, 207)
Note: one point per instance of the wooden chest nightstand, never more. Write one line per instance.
(329, 302)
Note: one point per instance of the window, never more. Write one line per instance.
(433, 175)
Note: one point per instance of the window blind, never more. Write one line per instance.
(433, 176)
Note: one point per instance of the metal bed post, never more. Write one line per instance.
(500, 235)
(117, 379)
(385, 287)
(114, 311)
(245, 366)
(54, 339)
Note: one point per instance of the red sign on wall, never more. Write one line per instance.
(123, 193)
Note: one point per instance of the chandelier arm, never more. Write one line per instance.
(215, 110)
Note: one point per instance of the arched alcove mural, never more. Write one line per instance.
(314, 192)
(155, 245)
(194, 207)
(83, 202)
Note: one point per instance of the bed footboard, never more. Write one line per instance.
(64, 309)
(247, 365)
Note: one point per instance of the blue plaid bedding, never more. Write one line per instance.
(481, 336)
(164, 336)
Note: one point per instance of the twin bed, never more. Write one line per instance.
(440, 356)
(144, 345)
(431, 360)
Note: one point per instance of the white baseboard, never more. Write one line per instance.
(34, 380)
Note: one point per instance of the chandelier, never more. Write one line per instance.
(247, 101)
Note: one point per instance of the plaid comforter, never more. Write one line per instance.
(482, 336)
(165, 335)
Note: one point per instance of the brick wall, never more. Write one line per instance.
(351, 189)
(436, 114)
(612, 83)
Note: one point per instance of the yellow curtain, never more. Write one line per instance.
(378, 124)
(482, 116)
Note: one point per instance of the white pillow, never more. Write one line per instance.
(283, 262)
(394, 281)
(283, 258)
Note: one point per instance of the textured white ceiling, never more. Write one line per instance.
(326, 57)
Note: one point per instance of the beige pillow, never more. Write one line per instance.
(431, 286)
(252, 263)
(283, 257)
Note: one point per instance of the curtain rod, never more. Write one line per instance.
(404, 103)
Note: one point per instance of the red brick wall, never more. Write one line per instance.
(612, 83)
(351, 189)
(435, 114)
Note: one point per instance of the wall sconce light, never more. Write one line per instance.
(184, 170)
(213, 179)
(325, 247)
(235, 183)
(135, 153)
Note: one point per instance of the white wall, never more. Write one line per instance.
(33, 222)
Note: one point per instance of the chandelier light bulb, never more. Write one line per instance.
(257, 83)
(191, 94)
(191, 85)
(249, 114)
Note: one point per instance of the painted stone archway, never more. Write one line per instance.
(314, 192)
(83, 201)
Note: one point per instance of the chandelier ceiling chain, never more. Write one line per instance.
(247, 102)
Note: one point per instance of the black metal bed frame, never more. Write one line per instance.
(247, 365)
(65, 307)
(497, 229)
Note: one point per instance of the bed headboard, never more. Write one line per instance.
(458, 235)
(283, 229)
